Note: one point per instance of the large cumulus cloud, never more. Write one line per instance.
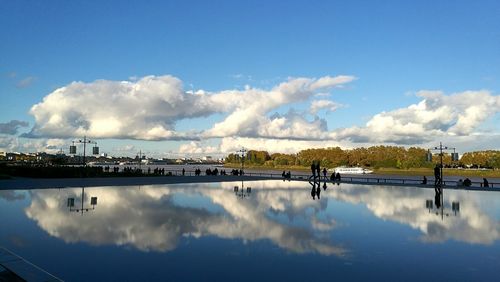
(149, 109)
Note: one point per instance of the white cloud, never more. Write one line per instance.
(328, 105)
(14, 144)
(149, 108)
(436, 116)
(194, 148)
(146, 109)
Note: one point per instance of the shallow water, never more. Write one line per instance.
(276, 231)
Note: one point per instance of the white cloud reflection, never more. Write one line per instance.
(155, 218)
(151, 219)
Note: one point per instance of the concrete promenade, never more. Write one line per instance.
(46, 183)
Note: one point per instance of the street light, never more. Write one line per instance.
(85, 141)
(242, 151)
(82, 209)
(440, 149)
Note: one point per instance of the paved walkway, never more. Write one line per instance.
(36, 183)
(44, 183)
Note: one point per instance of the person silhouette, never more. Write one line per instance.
(467, 182)
(424, 181)
(313, 169)
(485, 183)
(324, 172)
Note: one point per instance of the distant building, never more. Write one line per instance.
(3, 154)
(208, 158)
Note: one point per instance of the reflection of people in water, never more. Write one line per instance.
(316, 188)
(324, 185)
(313, 191)
(437, 175)
(437, 198)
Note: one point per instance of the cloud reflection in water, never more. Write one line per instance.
(154, 219)
(151, 219)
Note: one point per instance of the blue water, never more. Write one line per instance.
(204, 232)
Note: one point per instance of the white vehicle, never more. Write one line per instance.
(351, 170)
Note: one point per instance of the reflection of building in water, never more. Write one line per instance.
(82, 209)
(243, 192)
(441, 208)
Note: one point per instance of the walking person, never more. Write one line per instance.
(485, 183)
(313, 169)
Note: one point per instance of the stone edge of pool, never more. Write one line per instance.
(47, 183)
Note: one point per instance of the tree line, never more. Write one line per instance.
(374, 157)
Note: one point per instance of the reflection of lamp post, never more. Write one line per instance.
(440, 209)
(440, 149)
(85, 141)
(71, 203)
(242, 193)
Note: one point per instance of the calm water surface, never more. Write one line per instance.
(277, 231)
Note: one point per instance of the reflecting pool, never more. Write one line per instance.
(259, 230)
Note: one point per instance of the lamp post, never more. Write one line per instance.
(242, 151)
(441, 149)
(82, 209)
(84, 141)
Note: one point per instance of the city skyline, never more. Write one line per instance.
(196, 78)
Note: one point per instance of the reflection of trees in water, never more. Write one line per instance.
(151, 218)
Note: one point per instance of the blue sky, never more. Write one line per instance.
(395, 52)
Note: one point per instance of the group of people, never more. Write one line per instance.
(315, 190)
(316, 170)
(438, 179)
(286, 175)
